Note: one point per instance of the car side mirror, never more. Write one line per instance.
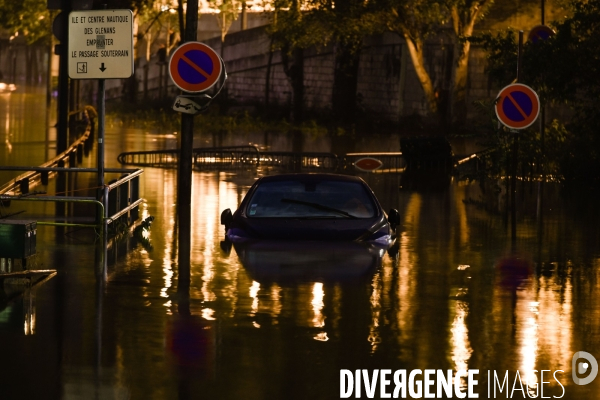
(394, 218)
(226, 218)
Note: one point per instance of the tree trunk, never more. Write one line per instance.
(463, 22)
(181, 16)
(415, 49)
(294, 69)
(459, 89)
(268, 76)
(345, 82)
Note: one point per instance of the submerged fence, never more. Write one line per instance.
(250, 157)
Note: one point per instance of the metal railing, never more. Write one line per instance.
(235, 157)
(299, 161)
(120, 198)
(207, 157)
(229, 157)
(36, 175)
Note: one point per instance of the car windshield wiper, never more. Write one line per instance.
(318, 206)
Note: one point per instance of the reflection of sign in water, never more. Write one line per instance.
(17, 298)
(517, 106)
(368, 164)
(195, 67)
(191, 341)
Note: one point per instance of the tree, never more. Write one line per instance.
(464, 15)
(30, 18)
(226, 12)
(300, 24)
(417, 20)
(349, 22)
(563, 70)
(290, 33)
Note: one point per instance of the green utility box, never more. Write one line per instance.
(17, 238)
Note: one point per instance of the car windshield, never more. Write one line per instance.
(311, 199)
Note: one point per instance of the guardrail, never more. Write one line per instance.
(73, 155)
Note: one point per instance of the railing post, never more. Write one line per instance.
(135, 195)
(24, 185)
(123, 199)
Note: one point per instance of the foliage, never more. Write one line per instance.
(227, 12)
(167, 120)
(292, 27)
(30, 18)
(299, 24)
(417, 20)
(153, 21)
(563, 70)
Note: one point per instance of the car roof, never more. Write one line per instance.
(311, 177)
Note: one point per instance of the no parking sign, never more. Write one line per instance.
(517, 106)
(195, 67)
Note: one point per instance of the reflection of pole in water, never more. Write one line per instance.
(29, 311)
(461, 346)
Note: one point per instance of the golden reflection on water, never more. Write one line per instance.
(544, 327)
(254, 289)
(317, 303)
(460, 345)
(165, 180)
(375, 300)
(29, 312)
(7, 126)
(538, 316)
(406, 292)
(276, 305)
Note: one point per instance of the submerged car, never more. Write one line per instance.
(318, 207)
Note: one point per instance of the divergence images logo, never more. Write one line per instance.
(580, 368)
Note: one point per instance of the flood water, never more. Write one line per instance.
(279, 323)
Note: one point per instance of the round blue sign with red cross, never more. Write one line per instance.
(517, 106)
(195, 67)
(540, 33)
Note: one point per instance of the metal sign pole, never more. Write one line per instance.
(102, 193)
(515, 157)
(101, 116)
(184, 190)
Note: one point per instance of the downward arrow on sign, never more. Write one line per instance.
(102, 67)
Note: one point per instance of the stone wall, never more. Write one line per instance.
(387, 87)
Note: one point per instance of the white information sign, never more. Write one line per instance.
(100, 44)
